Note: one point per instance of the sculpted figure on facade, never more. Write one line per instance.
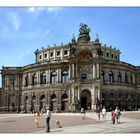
(84, 33)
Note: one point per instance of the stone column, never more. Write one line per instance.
(38, 77)
(59, 75)
(98, 71)
(69, 72)
(73, 71)
(99, 96)
(57, 71)
(93, 71)
(22, 103)
(48, 76)
(93, 100)
(30, 78)
(23, 80)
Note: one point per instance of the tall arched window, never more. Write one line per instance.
(110, 76)
(65, 77)
(34, 79)
(43, 78)
(131, 78)
(53, 97)
(119, 77)
(27, 80)
(53, 78)
(103, 76)
(126, 78)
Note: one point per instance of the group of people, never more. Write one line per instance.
(47, 116)
(115, 114)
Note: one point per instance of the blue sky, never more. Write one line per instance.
(25, 29)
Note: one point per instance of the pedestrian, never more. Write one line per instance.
(98, 112)
(42, 111)
(118, 114)
(83, 113)
(113, 116)
(104, 113)
(48, 116)
(37, 118)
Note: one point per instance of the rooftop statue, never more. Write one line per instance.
(84, 33)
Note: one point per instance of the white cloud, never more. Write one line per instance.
(36, 9)
(54, 9)
(10, 26)
(32, 9)
(40, 9)
(14, 21)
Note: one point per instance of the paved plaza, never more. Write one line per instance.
(72, 123)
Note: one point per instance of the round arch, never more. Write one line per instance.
(64, 102)
(33, 102)
(53, 106)
(42, 102)
(25, 104)
(85, 99)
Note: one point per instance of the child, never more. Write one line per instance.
(113, 117)
(37, 118)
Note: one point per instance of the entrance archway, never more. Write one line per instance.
(33, 102)
(42, 102)
(64, 103)
(25, 104)
(53, 103)
(85, 99)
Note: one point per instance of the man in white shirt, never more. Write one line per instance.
(48, 116)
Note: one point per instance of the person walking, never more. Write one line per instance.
(104, 113)
(98, 112)
(83, 113)
(42, 111)
(48, 116)
(113, 116)
(37, 118)
(118, 114)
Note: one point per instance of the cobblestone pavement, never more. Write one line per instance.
(71, 122)
(24, 123)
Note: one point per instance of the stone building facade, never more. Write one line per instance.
(82, 73)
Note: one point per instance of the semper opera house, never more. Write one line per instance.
(82, 73)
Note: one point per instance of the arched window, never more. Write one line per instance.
(126, 78)
(53, 97)
(103, 76)
(43, 78)
(131, 78)
(65, 77)
(34, 79)
(64, 96)
(110, 76)
(119, 77)
(53, 78)
(27, 80)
